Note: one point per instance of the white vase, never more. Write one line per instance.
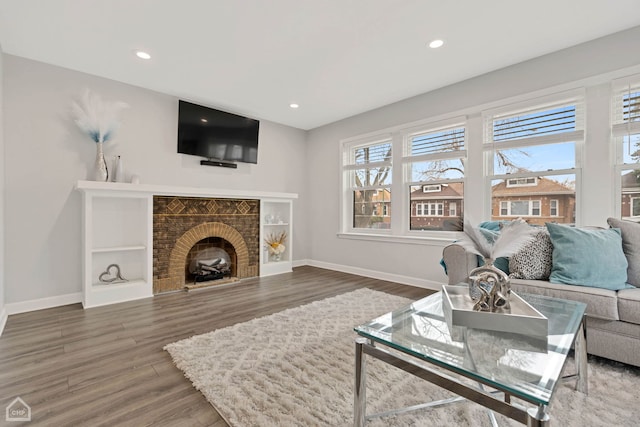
(101, 172)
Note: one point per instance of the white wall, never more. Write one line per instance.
(420, 261)
(3, 313)
(46, 154)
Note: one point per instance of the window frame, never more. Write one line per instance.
(575, 98)
(349, 167)
(621, 128)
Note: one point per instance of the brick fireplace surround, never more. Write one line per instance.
(180, 223)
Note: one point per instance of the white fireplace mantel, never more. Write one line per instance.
(169, 190)
(118, 228)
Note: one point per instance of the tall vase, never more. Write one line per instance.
(101, 172)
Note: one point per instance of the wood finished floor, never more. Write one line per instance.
(105, 366)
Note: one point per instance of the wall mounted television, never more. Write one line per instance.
(223, 138)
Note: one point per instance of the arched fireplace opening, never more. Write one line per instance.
(212, 258)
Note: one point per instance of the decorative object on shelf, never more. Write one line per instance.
(135, 179)
(99, 121)
(275, 245)
(112, 275)
(101, 172)
(117, 171)
(489, 287)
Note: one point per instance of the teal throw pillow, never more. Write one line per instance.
(587, 257)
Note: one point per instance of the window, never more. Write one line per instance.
(626, 133)
(429, 209)
(532, 151)
(434, 171)
(367, 169)
(553, 207)
(431, 188)
(385, 210)
(635, 206)
(520, 208)
(521, 182)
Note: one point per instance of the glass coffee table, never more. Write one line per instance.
(486, 367)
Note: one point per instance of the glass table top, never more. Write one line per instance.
(525, 367)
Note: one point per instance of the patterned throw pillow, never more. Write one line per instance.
(534, 260)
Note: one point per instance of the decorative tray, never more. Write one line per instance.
(457, 307)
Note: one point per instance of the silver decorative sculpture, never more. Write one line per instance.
(489, 288)
(112, 277)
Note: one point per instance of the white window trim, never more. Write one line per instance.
(557, 208)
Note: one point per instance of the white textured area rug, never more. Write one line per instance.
(296, 368)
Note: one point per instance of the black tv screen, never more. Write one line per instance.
(216, 135)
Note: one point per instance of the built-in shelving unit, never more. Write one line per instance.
(277, 216)
(118, 229)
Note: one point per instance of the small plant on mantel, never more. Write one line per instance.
(275, 243)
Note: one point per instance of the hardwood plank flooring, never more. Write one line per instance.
(106, 366)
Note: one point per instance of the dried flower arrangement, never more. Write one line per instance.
(275, 242)
(96, 118)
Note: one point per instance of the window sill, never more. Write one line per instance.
(430, 240)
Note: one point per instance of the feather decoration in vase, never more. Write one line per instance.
(512, 237)
(96, 118)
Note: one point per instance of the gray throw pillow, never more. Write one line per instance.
(534, 259)
(631, 247)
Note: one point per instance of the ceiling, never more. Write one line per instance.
(335, 58)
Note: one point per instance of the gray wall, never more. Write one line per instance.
(420, 261)
(2, 225)
(46, 154)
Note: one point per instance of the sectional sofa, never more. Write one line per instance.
(600, 267)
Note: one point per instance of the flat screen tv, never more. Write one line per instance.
(223, 138)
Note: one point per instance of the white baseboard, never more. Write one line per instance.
(3, 319)
(42, 303)
(300, 262)
(50, 302)
(397, 278)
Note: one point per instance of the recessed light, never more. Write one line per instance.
(294, 105)
(142, 55)
(436, 44)
(204, 120)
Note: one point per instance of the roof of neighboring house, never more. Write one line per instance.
(631, 180)
(543, 187)
(452, 190)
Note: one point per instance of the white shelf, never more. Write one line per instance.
(104, 286)
(276, 225)
(119, 249)
(136, 190)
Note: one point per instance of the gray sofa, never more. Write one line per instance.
(612, 317)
